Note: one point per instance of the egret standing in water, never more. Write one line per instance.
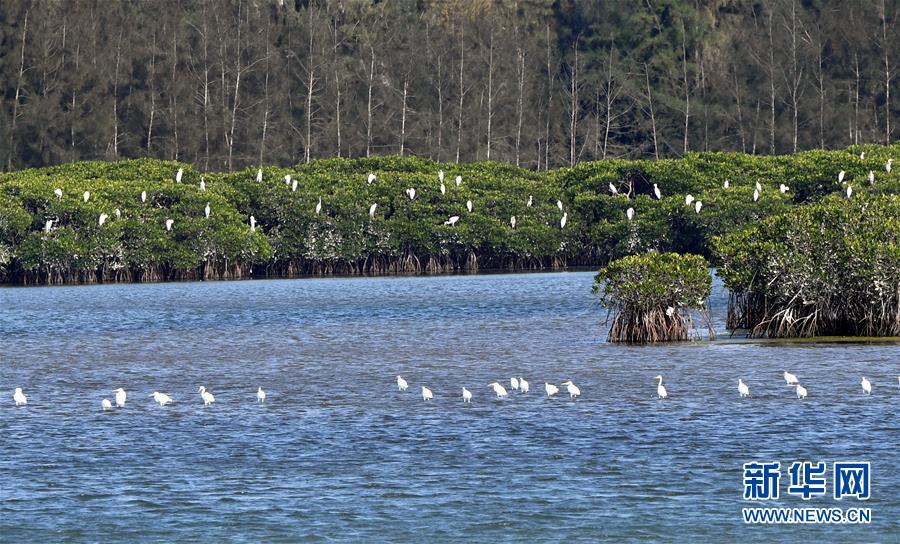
(550, 389)
(572, 389)
(260, 395)
(660, 388)
(790, 379)
(467, 395)
(401, 384)
(499, 389)
(743, 389)
(523, 385)
(207, 397)
(867, 386)
(105, 405)
(120, 397)
(161, 398)
(19, 397)
(426, 393)
(514, 384)
(801, 392)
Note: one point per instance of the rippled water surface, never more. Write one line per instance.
(337, 453)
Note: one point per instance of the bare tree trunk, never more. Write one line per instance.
(756, 123)
(403, 115)
(206, 98)
(15, 110)
(887, 76)
(856, 107)
(265, 123)
(151, 80)
(74, 106)
(549, 103)
(440, 93)
(116, 98)
(462, 90)
(687, 90)
(490, 96)
(369, 105)
(609, 101)
(237, 88)
(652, 115)
(772, 82)
(796, 75)
(337, 83)
(174, 93)
(740, 112)
(573, 119)
(520, 106)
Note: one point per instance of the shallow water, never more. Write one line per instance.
(337, 453)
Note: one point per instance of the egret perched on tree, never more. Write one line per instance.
(698, 206)
(562, 222)
(105, 405)
(372, 210)
(169, 223)
(401, 383)
(118, 213)
(871, 176)
(87, 196)
(514, 384)
(120, 397)
(523, 385)
(252, 224)
(441, 176)
(758, 186)
(743, 389)
(467, 395)
(58, 193)
(530, 201)
(790, 379)
(867, 386)
(411, 193)
(319, 205)
(260, 395)
(572, 389)
(19, 397)
(670, 311)
(458, 180)
(783, 188)
(550, 389)
(849, 191)
(202, 184)
(443, 188)
(102, 219)
(452, 221)
(887, 165)
(287, 179)
(660, 388)
(727, 184)
(688, 199)
(143, 196)
(47, 226)
(755, 195)
(512, 221)
(657, 192)
(259, 176)
(178, 175)
(499, 389)
(612, 189)
(629, 213)
(206, 210)
(161, 398)
(469, 205)
(559, 204)
(841, 175)
(801, 392)
(207, 397)
(372, 177)
(294, 186)
(426, 393)
(862, 155)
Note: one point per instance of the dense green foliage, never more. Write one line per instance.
(831, 268)
(652, 295)
(404, 235)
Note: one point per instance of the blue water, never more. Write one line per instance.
(337, 453)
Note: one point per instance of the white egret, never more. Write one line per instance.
(259, 176)
(401, 383)
(202, 184)
(755, 195)
(118, 213)
(178, 175)
(102, 219)
(530, 201)
(207, 397)
(688, 199)
(372, 210)
(573, 389)
(19, 397)
(523, 385)
(887, 165)
(670, 311)
(426, 393)
(87, 196)
(862, 155)
(287, 179)
(452, 221)
(443, 189)
(801, 392)
(411, 193)
(727, 184)
(562, 222)
(550, 389)
(512, 221)
(871, 176)
(657, 192)
(790, 379)
(169, 223)
(372, 177)
(559, 205)
(660, 388)
(499, 389)
(143, 196)
(294, 186)
(458, 180)
(743, 389)
(47, 226)
(206, 210)
(441, 176)
(783, 188)
(698, 206)
(467, 395)
(58, 193)
(319, 205)
(161, 398)
(849, 191)
(120, 397)
(758, 186)
(867, 386)
(841, 176)
(105, 405)
(629, 213)
(252, 224)
(469, 205)
(260, 395)
(514, 384)
(612, 189)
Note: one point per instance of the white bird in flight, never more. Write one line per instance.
(452, 220)
(562, 222)
(867, 386)
(790, 379)
(143, 196)
(572, 389)
(102, 219)
(530, 201)
(105, 405)
(499, 389)
(19, 397)
(178, 175)
(161, 398)
(660, 388)
(207, 397)
(259, 176)
(743, 389)
(260, 395)
(319, 205)
(426, 393)
(58, 193)
(401, 384)
(467, 395)
(688, 199)
(612, 189)
(469, 205)
(169, 223)
(206, 210)
(801, 392)
(698, 206)
(514, 384)
(629, 213)
(120, 397)
(550, 389)
(458, 180)
(372, 177)
(523, 385)
(372, 210)
(657, 192)
(87, 195)
(512, 221)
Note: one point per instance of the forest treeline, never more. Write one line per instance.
(225, 84)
